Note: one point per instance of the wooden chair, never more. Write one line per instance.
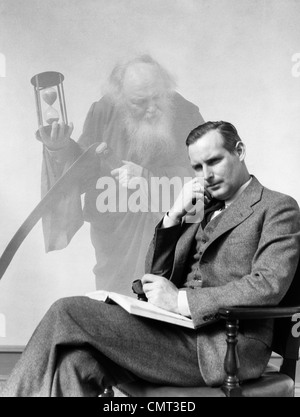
(273, 383)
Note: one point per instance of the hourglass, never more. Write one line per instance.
(48, 87)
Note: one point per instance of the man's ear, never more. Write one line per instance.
(240, 150)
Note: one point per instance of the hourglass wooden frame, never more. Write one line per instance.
(43, 81)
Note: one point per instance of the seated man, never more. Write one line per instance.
(245, 254)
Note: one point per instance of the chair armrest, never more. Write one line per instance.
(233, 315)
(247, 313)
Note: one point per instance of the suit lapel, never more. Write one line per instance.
(234, 215)
(182, 250)
(231, 217)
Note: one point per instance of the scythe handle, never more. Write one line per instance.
(81, 167)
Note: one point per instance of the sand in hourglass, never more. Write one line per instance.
(51, 115)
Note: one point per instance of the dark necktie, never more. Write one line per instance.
(210, 209)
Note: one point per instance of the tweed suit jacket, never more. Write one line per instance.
(249, 257)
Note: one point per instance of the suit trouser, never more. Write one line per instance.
(82, 345)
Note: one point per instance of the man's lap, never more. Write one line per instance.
(150, 349)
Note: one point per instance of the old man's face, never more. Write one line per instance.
(144, 93)
(146, 103)
(147, 113)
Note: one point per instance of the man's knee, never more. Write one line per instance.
(66, 302)
(65, 306)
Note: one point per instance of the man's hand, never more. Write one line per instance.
(59, 137)
(191, 192)
(160, 292)
(127, 174)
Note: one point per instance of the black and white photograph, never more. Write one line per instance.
(149, 200)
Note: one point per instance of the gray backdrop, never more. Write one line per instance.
(233, 58)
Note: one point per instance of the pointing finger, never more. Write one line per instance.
(54, 130)
(115, 171)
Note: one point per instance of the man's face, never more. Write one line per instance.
(222, 171)
(147, 111)
(144, 94)
(145, 104)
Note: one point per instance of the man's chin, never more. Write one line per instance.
(217, 194)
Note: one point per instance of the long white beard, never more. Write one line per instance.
(150, 139)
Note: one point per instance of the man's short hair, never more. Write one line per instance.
(116, 79)
(227, 130)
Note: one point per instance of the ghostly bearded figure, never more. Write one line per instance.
(145, 101)
(145, 121)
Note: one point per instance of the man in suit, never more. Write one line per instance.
(244, 252)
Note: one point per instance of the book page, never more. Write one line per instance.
(142, 308)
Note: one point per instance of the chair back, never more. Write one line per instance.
(284, 341)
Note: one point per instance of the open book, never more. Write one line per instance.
(141, 308)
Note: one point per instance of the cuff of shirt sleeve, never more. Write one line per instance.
(183, 305)
(168, 222)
